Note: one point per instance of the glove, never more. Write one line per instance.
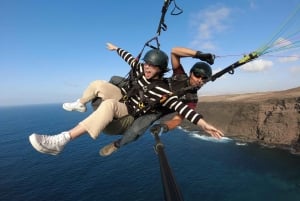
(207, 57)
(157, 128)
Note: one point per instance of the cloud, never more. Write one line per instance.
(289, 58)
(257, 65)
(282, 42)
(207, 23)
(295, 70)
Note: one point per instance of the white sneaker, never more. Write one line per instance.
(77, 106)
(48, 144)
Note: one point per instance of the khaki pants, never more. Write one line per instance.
(104, 91)
(119, 126)
(101, 89)
(103, 115)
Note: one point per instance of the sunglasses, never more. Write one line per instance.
(199, 75)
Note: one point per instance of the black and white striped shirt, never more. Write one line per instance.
(155, 93)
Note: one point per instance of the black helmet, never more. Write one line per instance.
(201, 69)
(157, 58)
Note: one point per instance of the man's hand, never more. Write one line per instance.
(207, 57)
(158, 128)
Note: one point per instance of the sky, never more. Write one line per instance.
(50, 50)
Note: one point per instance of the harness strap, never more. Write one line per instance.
(182, 91)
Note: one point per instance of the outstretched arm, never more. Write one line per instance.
(190, 114)
(126, 56)
(177, 119)
(180, 52)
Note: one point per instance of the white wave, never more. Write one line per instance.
(179, 127)
(241, 143)
(209, 138)
(199, 135)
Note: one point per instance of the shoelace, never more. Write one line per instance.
(53, 140)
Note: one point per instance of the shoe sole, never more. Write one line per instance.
(70, 109)
(104, 154)
(37, 146)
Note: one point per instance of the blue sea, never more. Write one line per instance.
(205, 169)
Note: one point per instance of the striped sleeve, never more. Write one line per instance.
(174, 104)
(127, 57)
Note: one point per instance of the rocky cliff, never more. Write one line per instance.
(271, 118)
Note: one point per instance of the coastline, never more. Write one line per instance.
(271, 119)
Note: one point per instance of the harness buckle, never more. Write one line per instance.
(141, 105)
(125, 98)
(145, 88)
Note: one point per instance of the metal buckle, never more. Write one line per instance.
(125, 98)
(141, 105)
(145, 88)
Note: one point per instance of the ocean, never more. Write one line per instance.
(205, 169)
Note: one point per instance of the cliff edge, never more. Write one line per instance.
(269, 118)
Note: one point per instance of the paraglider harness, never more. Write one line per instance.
(145, 105)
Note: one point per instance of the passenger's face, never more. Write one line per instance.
(151, 71)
